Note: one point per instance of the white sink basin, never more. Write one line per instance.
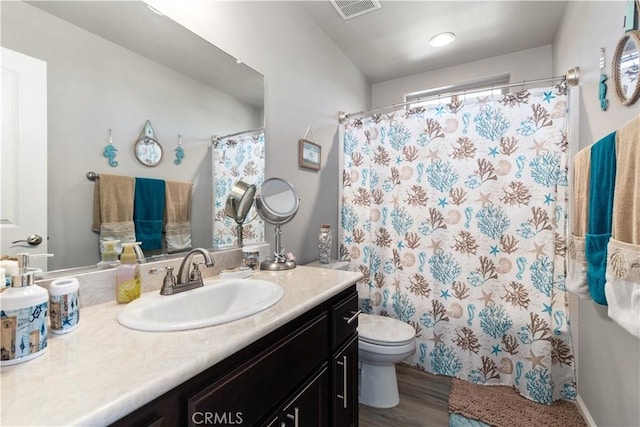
(218, 301)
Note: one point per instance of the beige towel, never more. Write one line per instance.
(112, 200)
(577, 263)
(581, 171)
(177, 216)
(177, 201)
(625, 224)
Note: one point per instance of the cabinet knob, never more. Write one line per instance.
(350, 320)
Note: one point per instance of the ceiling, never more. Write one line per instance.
(392, 42)
(134, 26)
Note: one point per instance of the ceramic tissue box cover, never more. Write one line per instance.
(23, 333)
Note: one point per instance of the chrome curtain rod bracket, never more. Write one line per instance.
(216, 139)
(571, 77)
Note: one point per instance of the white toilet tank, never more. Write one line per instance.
(333, 265)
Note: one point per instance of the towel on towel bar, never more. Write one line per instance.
(113, 209)
(601, 190)
(148, 212)
(622, 288)
(577, 261)
(178, 216)
(625, 223)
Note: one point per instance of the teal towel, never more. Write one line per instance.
(596, 254)
(148, 212)
(601, 189)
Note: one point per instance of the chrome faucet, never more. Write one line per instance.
(186, 279)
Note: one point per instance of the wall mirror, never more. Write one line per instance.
(114, 65)
(148, 151)
(625, 68)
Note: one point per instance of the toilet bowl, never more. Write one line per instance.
(382, 342)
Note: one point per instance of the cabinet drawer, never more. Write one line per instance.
(344, 319)
(252, 390)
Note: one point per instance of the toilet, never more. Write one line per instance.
(382, 342)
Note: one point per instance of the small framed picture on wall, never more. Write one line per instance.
(309, 155)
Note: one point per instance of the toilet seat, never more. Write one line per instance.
(384, 331)
(386, 350)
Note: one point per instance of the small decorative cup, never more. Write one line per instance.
(64, 305)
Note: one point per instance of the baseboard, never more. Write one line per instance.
(582, 407)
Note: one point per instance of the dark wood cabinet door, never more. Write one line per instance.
(310, 406)
(345, 385)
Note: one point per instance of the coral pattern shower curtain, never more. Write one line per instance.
(237, 158)
(456, 214)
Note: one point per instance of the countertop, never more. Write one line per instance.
(102, 371)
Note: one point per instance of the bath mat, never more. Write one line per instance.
(502, 406)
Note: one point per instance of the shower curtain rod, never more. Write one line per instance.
(571, 77)
(215, 139)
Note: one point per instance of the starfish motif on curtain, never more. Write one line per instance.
(484, 198)
(539, 146)
(435, 245)
(437, 338)
(536, 360)
(433, 155)
(538, 250)
(487, 297)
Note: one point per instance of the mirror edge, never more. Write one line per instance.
(615, 69)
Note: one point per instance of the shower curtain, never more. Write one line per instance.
(236, 158)
(456, 215)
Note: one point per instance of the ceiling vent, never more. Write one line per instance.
(350, 9)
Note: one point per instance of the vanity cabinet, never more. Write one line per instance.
(344, 362)
(309, 406)
(302, 374)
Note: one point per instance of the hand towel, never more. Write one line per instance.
(112, 199)
(113, 209)
(577, 262)
(178, 216)
(625, 225)
(148, 212)
(601, 190)
(622, 288)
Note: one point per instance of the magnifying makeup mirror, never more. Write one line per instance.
(238, 203)
(277, 203)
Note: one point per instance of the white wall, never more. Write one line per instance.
(609, 365)
(307, 80)
(95, 85)
(528, 64)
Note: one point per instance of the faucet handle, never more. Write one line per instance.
(196, 274)
(169, 281)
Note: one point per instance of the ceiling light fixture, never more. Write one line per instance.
(442, 39)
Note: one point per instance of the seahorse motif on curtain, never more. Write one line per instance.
(456, 215)
(236, 158)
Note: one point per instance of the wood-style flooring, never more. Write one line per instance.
(424, 402)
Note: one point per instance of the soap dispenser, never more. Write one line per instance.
(24, 312)
(128, 275)
(109, 256)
